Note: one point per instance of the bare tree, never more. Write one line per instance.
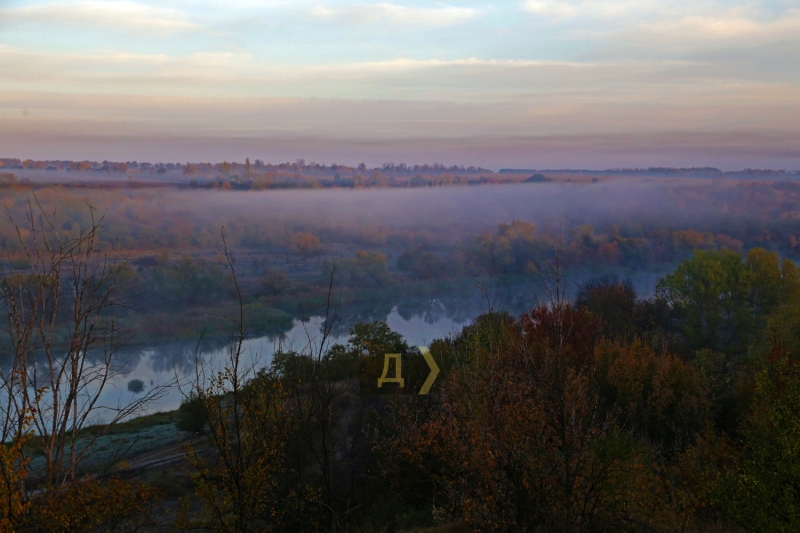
(239, 476)
(328, 443)
(275, 443)
(325, 435)
(61, 339)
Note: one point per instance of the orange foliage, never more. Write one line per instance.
(90, 505)
(660, 396)
(304, 243)
(609, 253)
(692, 239)
(519, 438)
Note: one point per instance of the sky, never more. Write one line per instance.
(522, 84)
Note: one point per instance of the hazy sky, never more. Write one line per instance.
(533, 83)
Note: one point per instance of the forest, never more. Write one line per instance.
(641, 376)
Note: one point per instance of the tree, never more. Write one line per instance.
(538, 178)
(7, 179)
(60, 341)
(518, 437)
(426, 265)
(662, 399)
(512, 249)
(14, 468)
(92, 505)
(329, 444)
(248, 484)
(274, 282)
(722, 301)
(304, 243)
(612, 300)
(283, 457)
(367, 269)
(762, 491)
(188, 280)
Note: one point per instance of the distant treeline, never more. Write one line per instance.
(191, 168)
(254, 181)
(662, 171)
(276, 180)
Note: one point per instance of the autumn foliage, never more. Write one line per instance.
(606, 412)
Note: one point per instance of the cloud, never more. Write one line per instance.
(407, 65)
(393, 13)
(733, 40)
(124, 140)
(559, 86)
(733, 24)
(749, 38)
(222, 65)
(117, 14)
(586, 8)
(715, 18)
(243, 75)
(387, 99)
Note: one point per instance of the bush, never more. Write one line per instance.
(274, 283)
(136, 386)
(538, 178)
(305, 244)
(190, 416)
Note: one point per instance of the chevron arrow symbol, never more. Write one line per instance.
(434, 369)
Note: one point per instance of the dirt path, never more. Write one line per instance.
(170, 454)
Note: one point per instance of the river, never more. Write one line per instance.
(170, 366)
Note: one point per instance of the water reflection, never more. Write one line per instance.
(420, 319)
